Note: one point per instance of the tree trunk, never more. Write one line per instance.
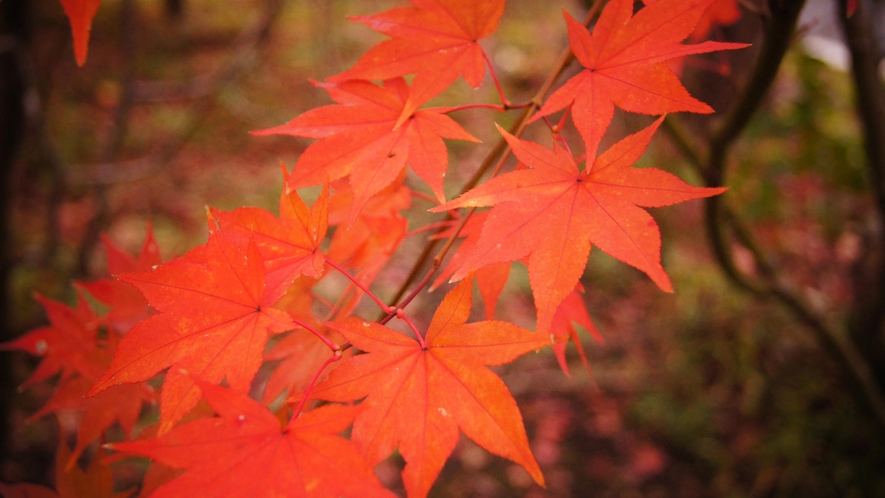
(14, 34)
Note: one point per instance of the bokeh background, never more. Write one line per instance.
(710, 391)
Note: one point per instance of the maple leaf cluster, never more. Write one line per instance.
(200, 326)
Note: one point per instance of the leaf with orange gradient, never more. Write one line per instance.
(370, 137)
(417, 398)
(245, 452)
(290, 244)
(623, 60)
(552, 212)
(213, 324)
(437, 40)
(80, 14)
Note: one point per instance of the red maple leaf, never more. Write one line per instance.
(623, 60)
(75, 345)
(418, 397)
(66, 346)
(370, 136)
(214, 322)
(434, 39)
(552, 212)
(289, 244)
(80, 14)
(245, 452)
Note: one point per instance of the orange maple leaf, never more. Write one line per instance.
(623, 60)
(418, 397)
(245, 452)
(552, 212)
(370, 137)
(214, 322)
(434, 39)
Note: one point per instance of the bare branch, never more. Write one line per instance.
(720, 217)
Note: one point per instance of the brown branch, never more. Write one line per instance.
(720, 216)
(868, 318)
(494, 161)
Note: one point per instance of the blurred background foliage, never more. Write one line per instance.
(706, 392)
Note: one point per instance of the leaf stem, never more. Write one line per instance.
(554, 130)
(331, 345)
(385, 308)
(399, 313)
(430, 226)
(495, 79)
(412, 295)
(494, 107)
(332, 359)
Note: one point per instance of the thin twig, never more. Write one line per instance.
(336, 355)
(244, 52)
(115, 172)
(494, 161)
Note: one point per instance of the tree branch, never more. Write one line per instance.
(868, 317)
(494, 161)
(720, 217)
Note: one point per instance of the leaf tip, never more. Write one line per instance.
(81, 57)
